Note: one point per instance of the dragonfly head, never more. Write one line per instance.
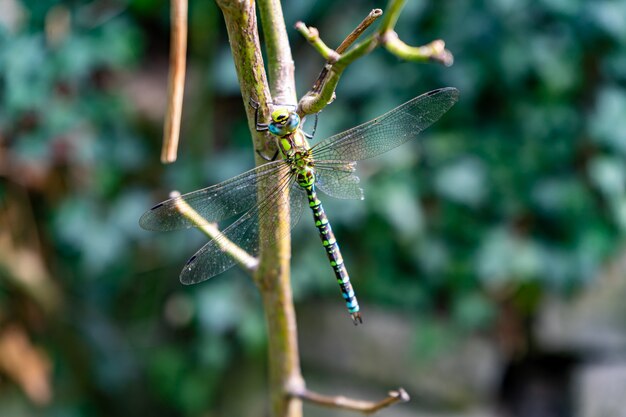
(284, 122)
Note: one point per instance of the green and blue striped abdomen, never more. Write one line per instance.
(295, 150)
(332, 249)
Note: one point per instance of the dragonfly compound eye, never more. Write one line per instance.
(284, 122)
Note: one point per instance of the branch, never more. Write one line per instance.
(273, 274)
(176, 81)
(394, 7)
(366, 407)
(312, 35)
(323, 90)
(435, 51)
(280, 62)
(353, 36)
(248, 262)
(240, 19)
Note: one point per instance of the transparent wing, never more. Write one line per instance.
(389, 130)
(337, 179)
(211, 259)
(215, 203)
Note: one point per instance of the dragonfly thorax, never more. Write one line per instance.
(292, 144)
(303, 168)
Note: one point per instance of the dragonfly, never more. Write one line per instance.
(249, 199)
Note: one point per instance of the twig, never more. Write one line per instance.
(331, 56)
(176, 81)
(323, 91)
(248, 262)
(367, 22)
(394, 7)
(312, 35)
(366, 407)
(435, 51)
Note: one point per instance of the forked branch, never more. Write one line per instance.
(323, 91)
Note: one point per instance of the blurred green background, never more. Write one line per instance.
(488, 257)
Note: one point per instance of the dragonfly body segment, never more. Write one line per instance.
(328, 166)
(334, 254)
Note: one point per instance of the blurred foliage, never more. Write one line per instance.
(518, 190)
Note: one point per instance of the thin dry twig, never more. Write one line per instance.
(353, 36)
(176, 81)
(365, 407)
(248, 262)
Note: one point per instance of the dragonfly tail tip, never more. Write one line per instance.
(356, 318)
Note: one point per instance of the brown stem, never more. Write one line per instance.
(279, 59)
(176, 81)
(273, 273)
(353, 36)
(365, 407)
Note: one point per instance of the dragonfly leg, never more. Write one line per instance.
(267, 158)
(260, 127)
(356, 318)
(310, 135)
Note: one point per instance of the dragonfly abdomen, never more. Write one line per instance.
(334, 254)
